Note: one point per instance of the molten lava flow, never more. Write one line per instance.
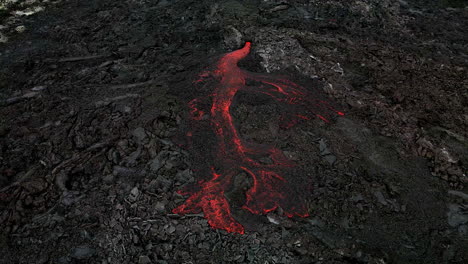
(270, 189)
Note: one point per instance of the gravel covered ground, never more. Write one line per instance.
(94, 105)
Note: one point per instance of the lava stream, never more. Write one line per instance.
(270, 189)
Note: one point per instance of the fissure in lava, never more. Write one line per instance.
(270, 189)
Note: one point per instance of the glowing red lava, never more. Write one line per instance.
(270, 189)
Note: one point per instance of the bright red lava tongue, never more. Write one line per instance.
(269, 189)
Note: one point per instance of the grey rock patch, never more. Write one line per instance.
(144, 260)
(232, 37)
(457, 215)
(109, 179)
(459, 194)
(134, 194)
(330, 159)
(139, 134)
(380, 197)
(82, 252)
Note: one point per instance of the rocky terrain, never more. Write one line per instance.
(94, 95)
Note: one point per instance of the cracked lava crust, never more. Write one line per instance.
(270, 188)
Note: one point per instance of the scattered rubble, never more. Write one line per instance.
(93, 97)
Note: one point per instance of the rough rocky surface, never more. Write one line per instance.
(94, 93)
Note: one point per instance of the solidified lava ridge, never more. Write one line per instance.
(270, 189)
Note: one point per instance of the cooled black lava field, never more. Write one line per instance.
(320, 131)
